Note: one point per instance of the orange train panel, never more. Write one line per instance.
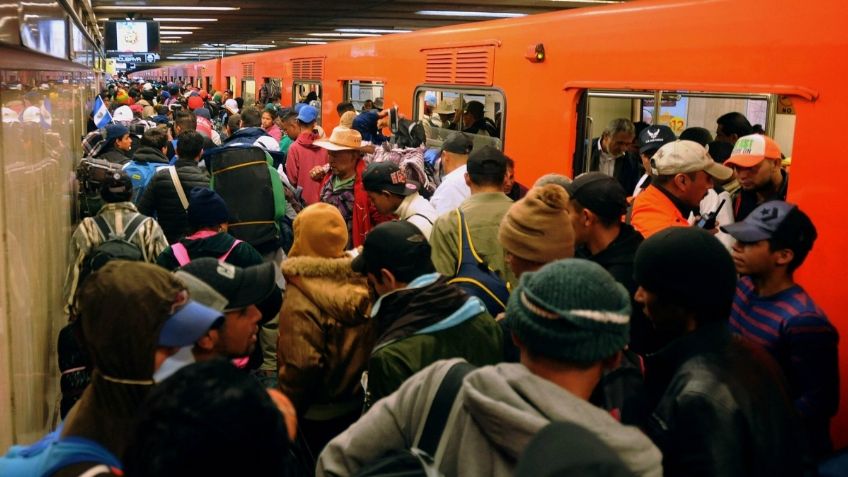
(795, 48)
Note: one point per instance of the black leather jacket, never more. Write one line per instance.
(722, 409)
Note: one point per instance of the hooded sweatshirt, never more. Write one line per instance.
(303, 155)
(496, 413)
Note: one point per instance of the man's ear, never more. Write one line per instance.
(784, 257)
(467, 180)
(388, 278)
(207, 342)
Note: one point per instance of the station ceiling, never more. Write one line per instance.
(207, 29)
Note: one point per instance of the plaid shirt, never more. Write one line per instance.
(148, 237)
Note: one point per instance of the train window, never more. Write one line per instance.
(231, 84)
(208, 84)
(308, 92)
(248, 91)
(443, 110)
(679, 110)
(358, 92)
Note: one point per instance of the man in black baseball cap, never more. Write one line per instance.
(243, 288)
(415, 309)
(453, 158)
(597, 203)
(391, 193)
(650, 140)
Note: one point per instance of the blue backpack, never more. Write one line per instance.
(475, 276)
(50, 454)
(140, 175)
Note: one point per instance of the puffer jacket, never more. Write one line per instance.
(161, 200)
(325, 336)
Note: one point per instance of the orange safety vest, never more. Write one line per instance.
(654, 211)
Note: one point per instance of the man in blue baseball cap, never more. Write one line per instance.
(304, 155)
(774, 312)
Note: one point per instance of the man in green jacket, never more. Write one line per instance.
(419, 318)
(483, 212)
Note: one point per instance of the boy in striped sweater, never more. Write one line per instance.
(774, 312)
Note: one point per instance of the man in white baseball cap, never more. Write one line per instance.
(682, 173)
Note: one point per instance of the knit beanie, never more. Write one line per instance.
(537, 227)
(206, 208)
(319, 231)
(122, 97)
(571, 311)
(195, 102)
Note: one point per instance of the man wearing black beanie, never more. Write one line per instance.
(720, 406)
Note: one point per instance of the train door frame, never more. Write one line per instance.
(296, 89)
(418, 99)
(587, 126)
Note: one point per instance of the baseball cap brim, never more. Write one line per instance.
(331, 146)
(744, 160)
(188, 324)
(746, 232)
(257, 284)
(719, 171)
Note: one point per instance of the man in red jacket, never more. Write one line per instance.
(304, 155)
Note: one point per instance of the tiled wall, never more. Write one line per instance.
(43, 121)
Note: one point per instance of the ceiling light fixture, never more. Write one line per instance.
(169, 41)
(457, 13)
(315, 39)
(175, 32)
(370, 30)
(343, 35)
(179, 27)
(187, 20)
(308, 42)
(123, 8)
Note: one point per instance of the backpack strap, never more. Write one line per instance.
(466, 252)
(180, 253)
(441, 407)
(104, 227)
(223, 257)
(420, 215)
(132, 228)
(178, 186)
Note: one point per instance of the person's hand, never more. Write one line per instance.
(287, 410)
(317, 173)
(383, 122)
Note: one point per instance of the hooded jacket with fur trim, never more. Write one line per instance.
(325, 335)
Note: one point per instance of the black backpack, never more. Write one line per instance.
(475, 276)
(418, 461)
(115, 246)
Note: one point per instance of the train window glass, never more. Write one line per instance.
(231, 85)
(440, 110)
(208, 84)
(308, 92)
(248, 91)
(679, 110)
(358, 92)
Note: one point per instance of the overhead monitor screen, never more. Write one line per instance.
(132, 37)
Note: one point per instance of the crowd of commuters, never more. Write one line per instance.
(319, 330)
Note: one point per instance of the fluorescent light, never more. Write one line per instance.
(343, 35)
(457, 13)
(176, 27)
(171, 37)
(187, 20)
(370, 30)
(175, 32)
(145, 7)
(308, 42)
(169, 41)
(315, 39)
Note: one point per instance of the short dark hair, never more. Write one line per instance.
(162, 110)
(240, 103)
(735, 123)
(289, 115)
(607, 222)
(208, 408)
(155, 138)
(251, 118)
(797, 233)
(233, 122)
(700, 135)
(186, 120)
(342, 108)
(488, 178)
(189, 145)
(271, 111)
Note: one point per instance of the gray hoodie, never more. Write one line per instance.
(498, 410)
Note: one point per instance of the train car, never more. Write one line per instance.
(552, 81)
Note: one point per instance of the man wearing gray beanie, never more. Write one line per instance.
(719, 404)
(570, 321)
